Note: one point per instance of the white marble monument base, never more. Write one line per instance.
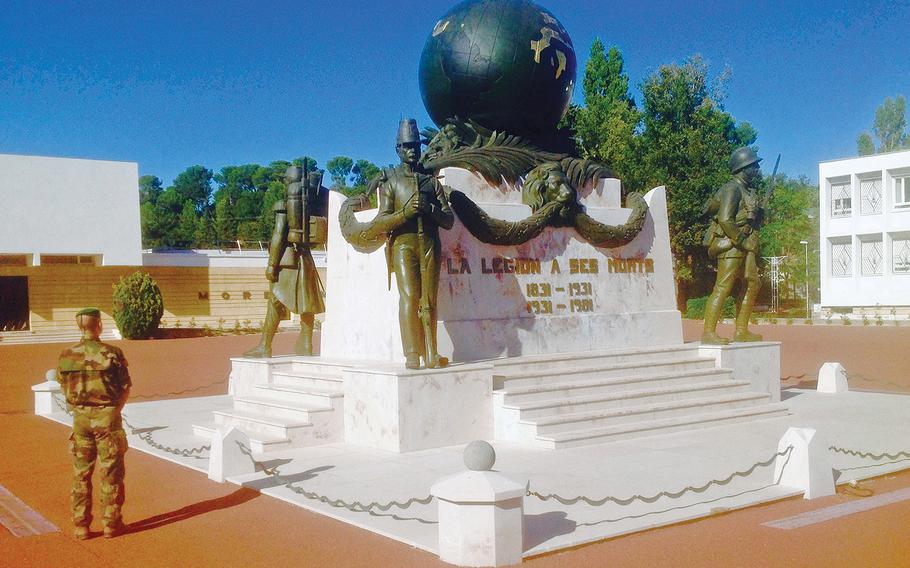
(758, 363)
(399, 410)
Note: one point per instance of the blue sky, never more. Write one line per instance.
(173, 84)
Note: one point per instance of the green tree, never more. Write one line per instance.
(685, 144)
(195, 184)
(606, 88)
(792, 217)
(891, 123)
(681, 138)
(339, 169)
(185, 232)
(864, 144)
(889, 127)
(149, 189)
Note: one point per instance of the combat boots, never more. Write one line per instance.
(269, 327)
(115, 529)
(746, 336)
(711, 338)
(81, 533)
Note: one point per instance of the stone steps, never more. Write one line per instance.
(287, 403)
(571, 400)
(306, 395)
(657, 427)
(561, 406)
(591, 372)
(556, 362)
(587, 386)
(655, 411)
(260, 442)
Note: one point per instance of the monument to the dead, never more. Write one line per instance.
(505, 288)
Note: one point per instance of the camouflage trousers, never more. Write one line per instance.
(97, 435)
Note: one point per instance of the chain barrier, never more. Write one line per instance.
(876, 381)
(668, 494)
(147, 437)
(869, 455)
(791, 377)
(174, 393)
(354, 506)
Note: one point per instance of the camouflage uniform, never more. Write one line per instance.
(94, 377)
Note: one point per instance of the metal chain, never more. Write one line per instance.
(173, 393)
(668, 494)
(875, 381)
(355, 506)
(803, 376)
(869, 455)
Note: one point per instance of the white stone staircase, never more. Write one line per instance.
(299, 404)
(558, 401)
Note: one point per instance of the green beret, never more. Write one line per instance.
(94, 312)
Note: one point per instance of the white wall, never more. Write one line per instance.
(68, 206)
(888, 288)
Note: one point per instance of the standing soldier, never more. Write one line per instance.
(732, 238)
(295, 285)
(95, 379)
(413, 205)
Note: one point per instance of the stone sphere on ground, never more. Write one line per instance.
(509, 65)
(479, 456)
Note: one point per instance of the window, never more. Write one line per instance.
(13, 260)
(841, 200)
(872, 257)
(901, 255)
(842, 258)
(85, 260)
(871, 195)
(902, 192)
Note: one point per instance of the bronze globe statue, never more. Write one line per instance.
(508, 65)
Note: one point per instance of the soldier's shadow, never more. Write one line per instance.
(238, 497)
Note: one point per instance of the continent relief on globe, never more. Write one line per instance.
(507, 65)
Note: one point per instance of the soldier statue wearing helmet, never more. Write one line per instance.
(732, 239)
(413, 206)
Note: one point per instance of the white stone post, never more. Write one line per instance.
(808, 465)
(832, 378)
(481, 513)
(44, 393)
(226, 458)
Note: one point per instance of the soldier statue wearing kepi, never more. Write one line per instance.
(732, 238)
(413, 206)
(295, 285)
(96, 381)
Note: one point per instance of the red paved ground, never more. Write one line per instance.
(180, 518)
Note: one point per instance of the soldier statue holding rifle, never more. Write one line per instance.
(413, 206)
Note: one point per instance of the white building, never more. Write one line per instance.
(69, 211)
(865, 232)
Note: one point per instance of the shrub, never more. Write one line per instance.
(845, 320)
(879, 320)
(809, 322)
(138, 306)
(695, 308)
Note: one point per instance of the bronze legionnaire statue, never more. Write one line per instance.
(413, 206)
(96, 381)
(295, 282)
(732, 238)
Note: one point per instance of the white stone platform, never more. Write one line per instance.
(547, 400)
(870, 422)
